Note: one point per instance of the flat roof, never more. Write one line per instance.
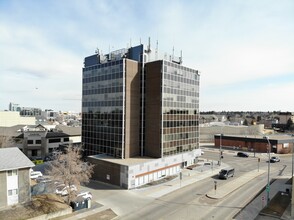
(271, 137)
(126, 162)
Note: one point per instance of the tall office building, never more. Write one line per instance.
(140, 115)
(14, 107)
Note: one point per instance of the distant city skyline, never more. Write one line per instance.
(243, 49)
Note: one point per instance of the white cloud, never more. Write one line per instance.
(230, 42)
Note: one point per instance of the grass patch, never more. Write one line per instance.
(277, 205)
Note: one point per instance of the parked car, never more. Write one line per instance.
(64, 190)
(35, 174)
(48, 158)
(274, 159)
(42, 179)
(226, 173)
(242, 154)
(85, 195)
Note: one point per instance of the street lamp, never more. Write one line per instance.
(220, 149)
(268, 170)
(292, 199)
(292, 157)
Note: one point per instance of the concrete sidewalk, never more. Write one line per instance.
(252, 210)
(231, 186)
(188, 177)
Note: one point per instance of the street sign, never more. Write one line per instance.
(262, 198)
(267, 188)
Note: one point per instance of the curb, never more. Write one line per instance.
(229, 187)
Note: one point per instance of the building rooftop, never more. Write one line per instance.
(127, 162)
(271, 137)
(12, 131)
(56, 134)
(72, 131)
(19, 159)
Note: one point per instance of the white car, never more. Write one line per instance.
(42, 179)
(35, 174)
(64, 190)
(85, 195)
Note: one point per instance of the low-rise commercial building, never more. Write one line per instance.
(8, 119)
(39, 142)
(280, 144)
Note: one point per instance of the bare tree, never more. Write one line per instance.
(6, 141)
(69, 169)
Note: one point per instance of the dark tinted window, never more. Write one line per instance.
(55, 140)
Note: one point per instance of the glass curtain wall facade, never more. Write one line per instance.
(180, 109)
(103, 108)
(132, 108)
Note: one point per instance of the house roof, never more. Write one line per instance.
(13, 158)
(56, 135)
(51, 134)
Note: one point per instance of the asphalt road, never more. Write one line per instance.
(191, 203)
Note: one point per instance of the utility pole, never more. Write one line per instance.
(268, 172)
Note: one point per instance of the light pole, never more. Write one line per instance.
(292, 199)
(268, 171)
(220, 149)
(292, 157)
(220, 146)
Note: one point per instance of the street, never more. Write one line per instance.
(190, 202)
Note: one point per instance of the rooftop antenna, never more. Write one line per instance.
(156, 51)
(173, 51)
(130, 42)
(148, 46)
(148, 50)
(181, 58)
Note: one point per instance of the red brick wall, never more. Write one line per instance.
(248, 145)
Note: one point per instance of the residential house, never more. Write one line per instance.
(14, 177)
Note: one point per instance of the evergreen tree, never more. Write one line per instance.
(245, 122)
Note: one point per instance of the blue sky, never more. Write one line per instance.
(244, 50)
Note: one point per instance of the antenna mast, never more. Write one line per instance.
(156, 51)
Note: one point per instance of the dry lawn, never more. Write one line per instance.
(40, 204)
